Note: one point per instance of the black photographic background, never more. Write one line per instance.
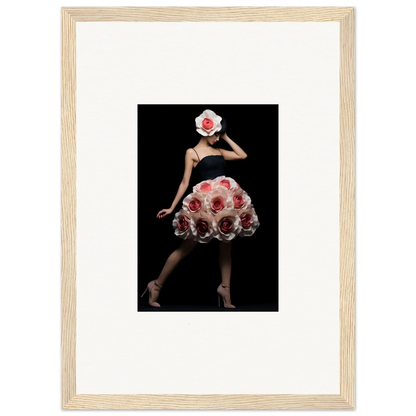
(165, 132)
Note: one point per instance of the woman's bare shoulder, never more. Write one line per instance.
(190, 151)
(191, 154)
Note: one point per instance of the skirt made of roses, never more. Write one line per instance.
(216, 208)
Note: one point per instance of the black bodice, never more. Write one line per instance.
(209, 167)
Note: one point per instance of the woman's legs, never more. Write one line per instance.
(173, 260)
(225, 262)
(225, 266)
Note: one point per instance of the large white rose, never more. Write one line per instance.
(208, 123)
(217, 200)
(202, 227)
(227, 225)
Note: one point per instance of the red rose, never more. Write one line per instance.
(226, 225)
(245, 220)
(183, 223)
(195, 205)
(238, 201)
(241, 200)
(217, 204)
(202, 227)
(207, 123)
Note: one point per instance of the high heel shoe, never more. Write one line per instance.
(150, 286)
(221, 291)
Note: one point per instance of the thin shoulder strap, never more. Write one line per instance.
(197, 154)
(219, 150)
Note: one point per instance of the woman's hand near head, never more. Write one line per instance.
(163, 212)
(224, 136)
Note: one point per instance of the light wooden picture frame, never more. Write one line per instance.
(346, 398)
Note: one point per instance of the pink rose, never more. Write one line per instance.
(249, 221)
(246, 220)
(241, 199)
(202, 227)
(181, 224)
(217, 203)
(208, 123)
(227, 225)
(226, 182)
(238, 201)
(217, 200)
(193, 202)
(195, 205)
(204, 187)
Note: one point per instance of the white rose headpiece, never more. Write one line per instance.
(208, 123)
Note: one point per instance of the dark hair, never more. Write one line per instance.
(223, 127)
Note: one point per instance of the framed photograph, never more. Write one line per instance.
(208, 208)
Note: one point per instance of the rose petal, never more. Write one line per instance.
(209, 114)
(181, 224)
(249, 221)
(205, 187)
(241, 199)
(207, 124)
(227, 179)
(202, 132)
(202, 227)
(202, 189)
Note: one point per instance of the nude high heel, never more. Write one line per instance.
(150, 286)
(222, 291)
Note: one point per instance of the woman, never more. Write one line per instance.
(217, 208)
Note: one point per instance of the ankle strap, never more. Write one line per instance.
(224, 286)
(158, 285)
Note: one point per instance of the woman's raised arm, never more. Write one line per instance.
(238, 152)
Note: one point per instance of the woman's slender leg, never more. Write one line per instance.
(173, 260)
(225, 266)
(225, 262)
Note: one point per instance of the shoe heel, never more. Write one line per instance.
(144, 292)
(220, 296)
